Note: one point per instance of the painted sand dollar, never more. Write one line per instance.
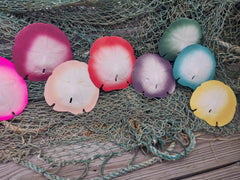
(153, 76)
(194, 65)
(38, 49)
(180, 34)
(70, 89)
(13, 91)
(214, 102)
(111, 63)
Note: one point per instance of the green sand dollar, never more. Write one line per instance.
(180, 34)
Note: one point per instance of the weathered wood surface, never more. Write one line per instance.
(217, 159)
(228, 172)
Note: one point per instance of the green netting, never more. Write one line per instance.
(122, 121)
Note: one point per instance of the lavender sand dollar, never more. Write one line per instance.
(153, 76)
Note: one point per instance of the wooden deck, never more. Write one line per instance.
(211, 159)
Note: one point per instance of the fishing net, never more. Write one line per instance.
(122, 121)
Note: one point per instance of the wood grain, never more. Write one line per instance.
(207, 155)
(229, 172)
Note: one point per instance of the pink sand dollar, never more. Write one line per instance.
(70, 89)
(6, 63)
(38, 49)
(13, 91)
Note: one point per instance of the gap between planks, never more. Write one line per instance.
(231, 171)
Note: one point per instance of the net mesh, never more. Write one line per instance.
(123, 120)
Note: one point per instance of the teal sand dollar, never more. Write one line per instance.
(194, 65)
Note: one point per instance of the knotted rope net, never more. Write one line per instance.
(122, 121)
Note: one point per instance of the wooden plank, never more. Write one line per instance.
(12, 171)
(201, 159)
(206, 155)
(230, 172)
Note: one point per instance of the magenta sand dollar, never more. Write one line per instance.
(38, 49)
(153, 76)
(70, 89)
(13, 91)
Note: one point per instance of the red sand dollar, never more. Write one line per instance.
(13, 91)
(70, 88)
(38, 49)
(111, 63)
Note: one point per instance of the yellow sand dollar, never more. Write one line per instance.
(214, 102)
